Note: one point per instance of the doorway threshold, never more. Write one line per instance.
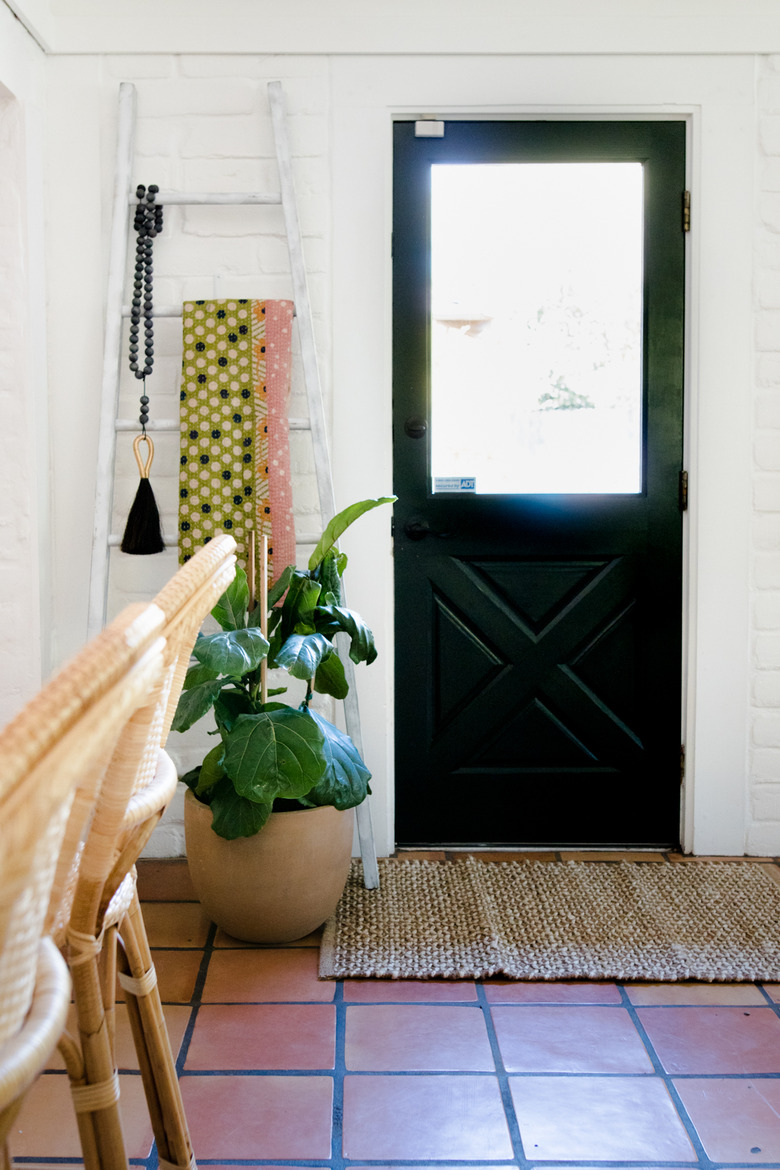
(532, 853)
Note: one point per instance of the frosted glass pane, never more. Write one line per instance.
(536, 331)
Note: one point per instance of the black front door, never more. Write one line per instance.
(538, 388)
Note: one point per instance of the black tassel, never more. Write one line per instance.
(142, 531)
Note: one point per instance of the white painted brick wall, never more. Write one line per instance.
(20, 648)
(763, 828)
(204, 124)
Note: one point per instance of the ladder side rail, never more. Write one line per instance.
(109, 424)
(302, 301)
(363, 811)
(319, 434)
(112, 352)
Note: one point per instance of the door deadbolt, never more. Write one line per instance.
(416, 428)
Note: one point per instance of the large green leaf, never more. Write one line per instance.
(298, 608)
(334, 618)
(301, 655)
(274, 636)
(230, 610)
(230, 704)
(197, 674)
(211, 770)
(280, 587)
(194, 703)
(340, 523)
(231, 652)
(329, 574)
(191, 778)
(330, 678)
(345, 782)
(235, 816)
(275, 753)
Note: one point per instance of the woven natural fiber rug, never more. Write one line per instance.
(557, 920)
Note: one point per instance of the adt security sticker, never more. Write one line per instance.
(454, 483)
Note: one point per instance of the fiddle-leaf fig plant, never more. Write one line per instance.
(272, 754)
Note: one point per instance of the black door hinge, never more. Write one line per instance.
(683, 491)
(682, 763)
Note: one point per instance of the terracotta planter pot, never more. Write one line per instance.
(278, 885)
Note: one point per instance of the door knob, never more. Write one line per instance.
(418, 529)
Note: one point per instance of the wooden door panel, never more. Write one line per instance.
(482, 679)
(539, 636)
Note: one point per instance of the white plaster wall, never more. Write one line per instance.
(37, 18)
(203, 123)
(23, 467)
(764, 775)
(717, 97)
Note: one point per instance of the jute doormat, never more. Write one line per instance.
(557, 920)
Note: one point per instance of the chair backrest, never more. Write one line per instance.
(54, 755)
(186, 601)
(138, 783)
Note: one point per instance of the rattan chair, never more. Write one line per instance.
(186, 600)
(105, 910)
(54, 756)
(24, 1055)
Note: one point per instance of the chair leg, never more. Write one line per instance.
(155, 1058)
(107, 971)
(70, 1051)
(7, 1118)
(98, 1094)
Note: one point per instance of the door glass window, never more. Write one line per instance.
(536, 327)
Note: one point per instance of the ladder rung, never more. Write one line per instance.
(171, 310)
(173, 424)
(302, 538)
(159, 424)
(123, 199)
(211, 198)
(158, 311)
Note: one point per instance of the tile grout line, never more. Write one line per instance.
(503, 1080)
(196, 997)
(703, 1161)
(194, 1004)
(338, 1160)
(339, 1074)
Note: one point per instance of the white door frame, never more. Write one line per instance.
(715, 96)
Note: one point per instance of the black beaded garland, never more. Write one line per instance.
(148, 223)
(142, 532)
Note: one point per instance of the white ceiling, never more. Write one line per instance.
(403, 26)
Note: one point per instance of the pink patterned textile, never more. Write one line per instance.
(235, 452)
(272, 360)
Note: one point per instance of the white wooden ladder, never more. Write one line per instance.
(103, 540)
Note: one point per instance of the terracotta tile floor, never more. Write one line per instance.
(279, 1069)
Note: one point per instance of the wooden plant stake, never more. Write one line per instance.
(264, 616)
(251, 560)
(262, 600)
